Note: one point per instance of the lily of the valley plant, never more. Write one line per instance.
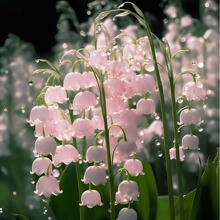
(89, 125)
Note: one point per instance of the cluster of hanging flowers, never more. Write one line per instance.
(103, 100)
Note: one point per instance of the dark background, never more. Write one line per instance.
(34, 21)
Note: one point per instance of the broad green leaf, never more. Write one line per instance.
(206, 202)
(66, 205)
(147, 204)
(19, 217)
(163, 210)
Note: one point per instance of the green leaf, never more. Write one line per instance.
(163, 210)
(66, 205)
(206, 202)
(19, 217)
(49, 64)
(147, 204)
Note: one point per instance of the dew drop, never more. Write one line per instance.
(204, 105)
(157, 142)
(82, 33)
(88, 12)
(30, 83)
(14, 193)
(159, 154)
(109, 210)
(200, 129)
(56, 173)
(5, 110)
(1, 210)
(180, 100)
(194, 63)
(157, 117)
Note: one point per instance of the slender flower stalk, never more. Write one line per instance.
(165, 124)
(110, 173)
(176, 145)
(78, 174)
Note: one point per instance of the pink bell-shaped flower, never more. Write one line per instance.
(125, 149)
(42, 165)
(89, 79)
(84, 100)
(45, 145)
(144, 83)
(91, 198)
(47, 185)
(98, 59)
(134, 167)
(146, 106)
(55, 94)
(65, 154)
(115, 105)
(173, 153)
(113, 87)
(96, 154)
(95, 175)
(194, 91)
(127, 191)
(64, 130)
(190, 141)
(39, 114)
(83, 127)
(127, 214)
(190, 116)
(73, 81)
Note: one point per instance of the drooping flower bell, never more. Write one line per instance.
(91, 198)
(60, 97)
(95, 175)
(190, 141)
(73, 81)
(45, 145)
(134, 167)
(145, 84)
(173, 153)
(146, 106)
(127, 192)
(42, 165)
(65, 154)
(96, 154)
(194, 91)
(39, 114)
(47, 185)
(127, 214)
(190, 116)
(124, 150)
(83, 101)
(83, 127)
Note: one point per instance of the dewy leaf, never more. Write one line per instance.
(44, 71)
(49, 63)
(66, 205)
(19, 217)
(206, 202)
(147, 204)
(139, 12)
(123, 14)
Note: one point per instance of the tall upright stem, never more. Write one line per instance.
(165, 124)
(176, 146)
(107, 142)
(78, 174)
